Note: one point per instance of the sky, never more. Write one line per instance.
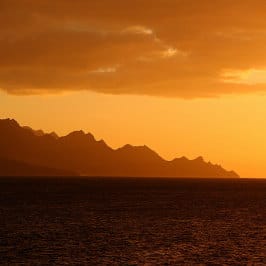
(185, 77)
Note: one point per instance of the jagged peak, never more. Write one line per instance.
(38, 133)
(11, 122)
(80, 135)
(128, 148)
(101, 141)
(54, 135)
(90, 135)
(199, 159)
(83, 140)
(41, 133)
(77, 133)
(183, 158)
(131, 147)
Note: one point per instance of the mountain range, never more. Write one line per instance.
(24, 151)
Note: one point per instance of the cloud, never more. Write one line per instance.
(249, 76)
(104, 70)
(138, 30)
(170, 48)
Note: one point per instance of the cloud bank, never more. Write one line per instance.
(173, 48)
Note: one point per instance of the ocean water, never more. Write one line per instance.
(132, 221)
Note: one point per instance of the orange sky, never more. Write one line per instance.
(184, 77)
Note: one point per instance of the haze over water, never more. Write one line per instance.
(125, 221)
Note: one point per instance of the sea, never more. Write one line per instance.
(132, 221)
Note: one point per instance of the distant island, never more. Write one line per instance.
(27, 152)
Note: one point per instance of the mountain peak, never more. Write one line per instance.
(81, 153)
(76, 133)
(199, 159)
(9, 122)
(80, 138)
(129, 147)
(54, 135)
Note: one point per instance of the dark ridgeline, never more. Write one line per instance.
(81, 153)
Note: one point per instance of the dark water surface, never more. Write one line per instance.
(132, 222)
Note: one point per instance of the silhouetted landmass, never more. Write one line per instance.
(40, 132)
(15, 168)
(80, 152)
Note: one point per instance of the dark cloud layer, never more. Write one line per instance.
(179, 48)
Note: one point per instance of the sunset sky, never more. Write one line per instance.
(185, 77)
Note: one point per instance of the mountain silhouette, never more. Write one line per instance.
(81, 153)
(40, 132)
